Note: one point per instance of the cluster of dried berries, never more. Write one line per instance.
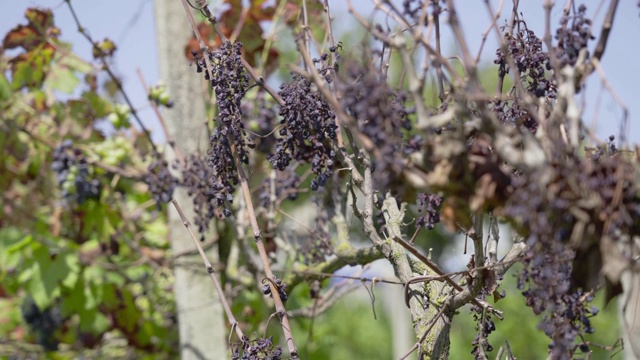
(308, 132)
(207, 195)
(382, 117)
(573, 35)
(485, 326)
(532, 63)
(318, 247)
(600, 151)
(546, 279)
(413, 9)
(266, 289)
(260, 117)
(563, 259)
(230, 81)
(510, 112)
(257, 349)
(74, 174)
(525, 48)
(430, 204)
(160, 181)
(285, 186)
(327, 70)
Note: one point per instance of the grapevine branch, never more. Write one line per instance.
(280, 310)
(257, 235)
(210, 271)
(113, 76)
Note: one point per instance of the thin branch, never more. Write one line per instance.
(440, 75)
(435, 268)
(210, 270)
(114, 78)
(606, 30)
(257, 235)
(491, 26)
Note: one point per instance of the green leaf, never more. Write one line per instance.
(74, 300)
(94, 288)
(119, 301)
(5, 88)
(52, 270)
(61, 78)
(93, 322)
(156, 233)
(72, 262)
(99, 105)
(19, 246)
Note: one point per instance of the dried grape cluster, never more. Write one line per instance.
(512, 113)
(525, 48)
(260, 117)
(74, 174)
(532, 63)
(257, 349)
(318, 247)
(199, 180)
(573, 35)
(563, 260)
(599, 151)
(266, 289)
(546, 279)
(285, 187)
(430, 204)
(160, 181)
(308, 132)
(413, 8)
(230, 81)
(382, 117)
(485, 327)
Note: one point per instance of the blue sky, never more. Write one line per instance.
(130, 24)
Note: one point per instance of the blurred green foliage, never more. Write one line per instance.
(75, 274)
(347, 330)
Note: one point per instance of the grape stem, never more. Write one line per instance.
(210, 270)
(114, 78)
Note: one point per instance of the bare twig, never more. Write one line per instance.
(210, 270)
(435, 268)
(606, 30)
(114, 78)
(491, 26)
(257, 235)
